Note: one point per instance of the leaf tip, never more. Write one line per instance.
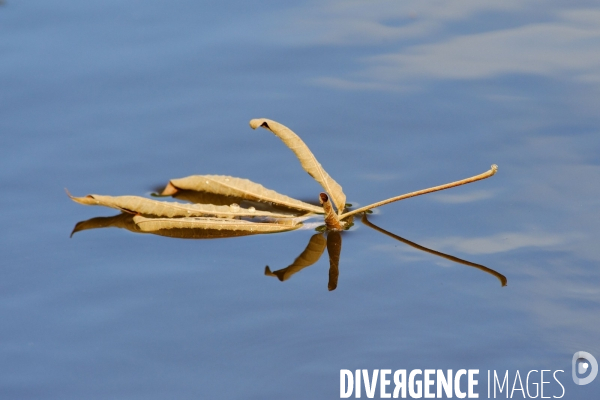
(169, 190)
(323, 198)
(494, 168)
(78, 227)
(258, 122)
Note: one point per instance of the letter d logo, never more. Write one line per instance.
(583, 367)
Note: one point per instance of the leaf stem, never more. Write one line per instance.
(331, 218)
(475, 178)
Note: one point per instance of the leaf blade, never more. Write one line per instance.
(306, 157)
(155, 224)
(142, 205)
(237, 187)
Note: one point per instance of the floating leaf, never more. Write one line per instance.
(194, 196)
(237, 187)
(156, 224)
(331, 219)
(141, 205)
(216, 210)
(306, 157)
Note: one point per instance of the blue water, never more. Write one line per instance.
(119, 97)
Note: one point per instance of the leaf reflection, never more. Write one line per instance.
(122, 221)
(311, 254)
(498, 275)
(317, 243)
(334, 248)
(126, 221)
(315, 248)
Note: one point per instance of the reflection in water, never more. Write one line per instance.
(311, 254)
(332, 240)
(123, 221)
(334, 248)
(126, 221)
(317, 244)
(498, 275)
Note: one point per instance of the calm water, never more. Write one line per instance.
(115, 98)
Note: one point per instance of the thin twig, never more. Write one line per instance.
(475, 178)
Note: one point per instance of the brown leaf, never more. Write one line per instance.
(141, 205)
(331, 219)
(306, 157)
(219, 224)
(194, 196)
(237, 187)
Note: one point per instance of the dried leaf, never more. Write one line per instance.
(237, 187)
(169, 190)
(306, 157)
(141, 205)
(194, 196)
(219, 224)
(331, 219)
(310, 255)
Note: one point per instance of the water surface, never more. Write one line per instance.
(115, 98)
